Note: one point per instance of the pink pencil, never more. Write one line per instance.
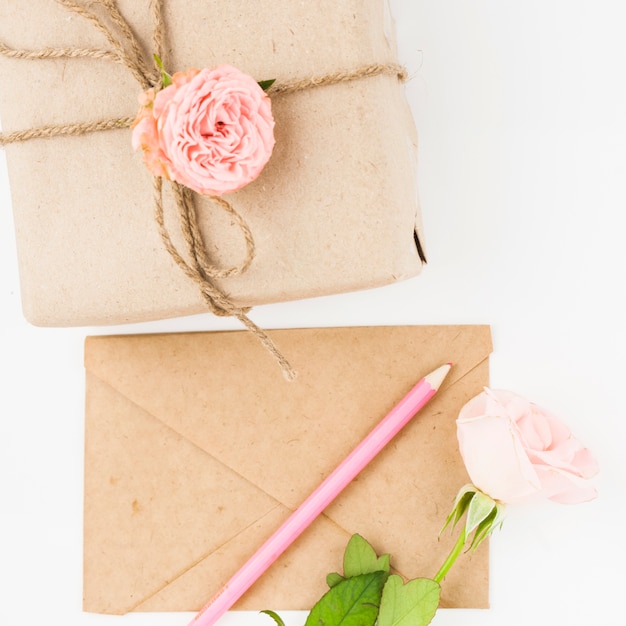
(330, 488)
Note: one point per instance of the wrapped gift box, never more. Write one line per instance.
(335, 210)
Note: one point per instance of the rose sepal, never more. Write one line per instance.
(483, 514)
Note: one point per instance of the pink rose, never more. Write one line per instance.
(514, 450)
(211, 130)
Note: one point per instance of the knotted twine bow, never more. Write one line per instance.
(125, 49)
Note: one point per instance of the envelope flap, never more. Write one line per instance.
(150, 496)
(219, 391)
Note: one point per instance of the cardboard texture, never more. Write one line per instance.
(335, 210)
(195, 455)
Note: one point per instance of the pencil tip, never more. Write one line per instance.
(436, 377)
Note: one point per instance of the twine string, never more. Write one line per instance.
(57, 53)
(133, 61)
(193, 237)
(216, 300)
(364, 71)
(126, 49)
(158, 30)
(284, 88)
(138, 58)
(64, 130)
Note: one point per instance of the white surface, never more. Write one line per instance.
(521, 109)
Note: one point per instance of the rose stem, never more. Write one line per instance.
(451, 558)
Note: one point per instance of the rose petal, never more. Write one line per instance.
(564, 487)
(535, 430)
(495, 459)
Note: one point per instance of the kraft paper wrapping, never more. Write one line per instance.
(335, 210)
(194, 456)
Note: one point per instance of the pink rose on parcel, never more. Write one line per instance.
(514, 450)
(211, 130)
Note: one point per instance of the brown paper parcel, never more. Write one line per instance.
(195, 455)
(335, 210)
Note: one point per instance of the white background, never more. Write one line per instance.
(521, 110)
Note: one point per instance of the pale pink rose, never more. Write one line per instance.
(211, 130)
(513, 451)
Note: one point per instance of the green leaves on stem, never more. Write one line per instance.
(367, 594)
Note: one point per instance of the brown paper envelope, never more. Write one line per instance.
(196, 451)
(335, 209)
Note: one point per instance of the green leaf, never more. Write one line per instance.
(412, 604)
(275, 616)
(166, 79)
(352, 602)
(333, 579)
(266, 84)
(360, 558)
